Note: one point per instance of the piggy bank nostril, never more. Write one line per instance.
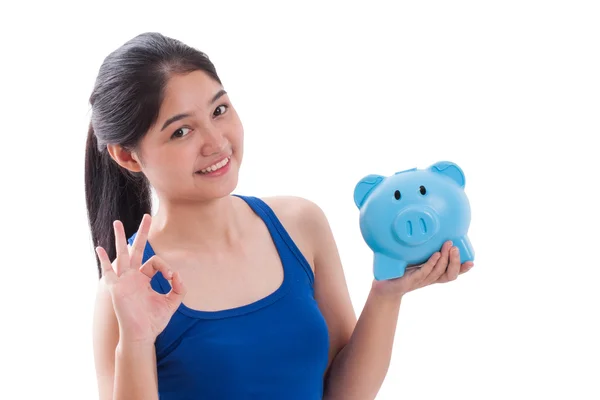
(397, 195)
(423, 226)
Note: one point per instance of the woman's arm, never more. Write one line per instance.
(359, 369)
(129, 315)
(361, 351)
(123, 370)
(135, 372)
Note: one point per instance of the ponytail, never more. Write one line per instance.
(112, 193)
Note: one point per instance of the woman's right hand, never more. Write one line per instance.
(142, 313)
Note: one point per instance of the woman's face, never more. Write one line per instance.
(194, 150)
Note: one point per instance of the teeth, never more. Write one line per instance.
(216, 166)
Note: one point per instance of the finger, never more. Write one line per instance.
(136, 252)
(453, 266)
(462, 269)
(121, 246)
(441, 265)
(154, 265)
(466, 267)
(425, 269)
(177, 292)
(107, 270)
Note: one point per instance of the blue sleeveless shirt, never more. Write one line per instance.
(274, 348)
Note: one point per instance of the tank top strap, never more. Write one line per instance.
(278, 231)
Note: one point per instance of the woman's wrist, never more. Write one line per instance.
(135, 346)
(385, 292)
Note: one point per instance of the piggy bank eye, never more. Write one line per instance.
(397, 195)
(423, 190)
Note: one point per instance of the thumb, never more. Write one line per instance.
(177, 292)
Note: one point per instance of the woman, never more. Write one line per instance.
(218, 296)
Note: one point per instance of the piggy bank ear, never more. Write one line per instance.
(451, 170)
(365, 187)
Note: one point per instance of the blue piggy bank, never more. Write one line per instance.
(406, 217)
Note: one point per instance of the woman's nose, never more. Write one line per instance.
(214, 142)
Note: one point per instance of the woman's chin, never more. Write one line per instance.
(217, 188)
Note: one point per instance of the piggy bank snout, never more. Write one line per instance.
(415, 225)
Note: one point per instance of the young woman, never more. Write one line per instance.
(217, 296)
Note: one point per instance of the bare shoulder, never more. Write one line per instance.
(295, 210)
(302, 218)
(295, 207)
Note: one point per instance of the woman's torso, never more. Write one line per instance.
(268, 339)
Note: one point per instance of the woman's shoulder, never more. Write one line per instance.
(295, 210)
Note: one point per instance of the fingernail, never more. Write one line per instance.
(455, 250)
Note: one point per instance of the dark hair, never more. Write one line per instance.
(125, 101)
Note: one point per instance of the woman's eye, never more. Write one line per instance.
(220, 110)
(180, 132)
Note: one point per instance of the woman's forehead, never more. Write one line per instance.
(194, 86)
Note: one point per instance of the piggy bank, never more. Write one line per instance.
(406, 217)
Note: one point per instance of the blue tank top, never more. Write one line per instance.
(274, 348)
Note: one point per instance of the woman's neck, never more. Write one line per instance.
(214, 225)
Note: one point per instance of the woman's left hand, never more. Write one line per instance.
(443, 266)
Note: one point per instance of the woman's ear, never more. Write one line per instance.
(125, 158)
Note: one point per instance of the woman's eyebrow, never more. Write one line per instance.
(178, 117)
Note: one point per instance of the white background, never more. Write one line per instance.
(328, 93)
